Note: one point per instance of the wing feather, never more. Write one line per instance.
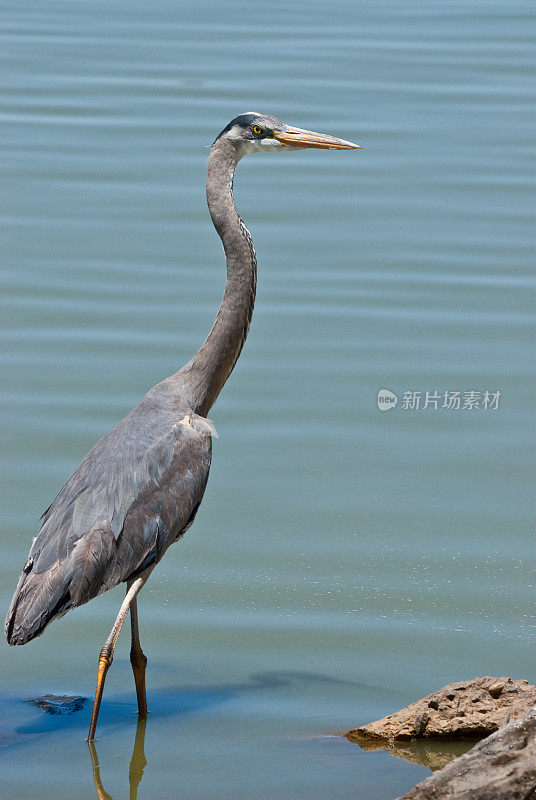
(134, 494)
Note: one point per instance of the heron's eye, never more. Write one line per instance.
(257, 130)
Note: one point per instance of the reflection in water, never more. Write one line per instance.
(138, 762)
(432, 753)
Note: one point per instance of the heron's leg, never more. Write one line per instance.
(107, 652)
(138, 660)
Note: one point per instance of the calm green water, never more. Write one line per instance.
(345, 560)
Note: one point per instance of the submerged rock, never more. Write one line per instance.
(463, 710)
(501, 767)
(59, 703)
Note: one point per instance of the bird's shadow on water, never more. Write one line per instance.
(171, 701)
(117, 713)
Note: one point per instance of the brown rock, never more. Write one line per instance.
(420, 723)
(501, 767)
(496, 688)
(467, 709)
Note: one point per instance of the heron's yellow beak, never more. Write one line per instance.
(296, 137)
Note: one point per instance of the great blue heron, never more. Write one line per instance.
(138, 490)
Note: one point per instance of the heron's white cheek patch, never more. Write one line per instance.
(262, 146)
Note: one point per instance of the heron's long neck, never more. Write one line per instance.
(208, 370)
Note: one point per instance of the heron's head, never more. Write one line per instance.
(254, 133)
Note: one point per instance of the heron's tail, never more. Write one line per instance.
(38, 599)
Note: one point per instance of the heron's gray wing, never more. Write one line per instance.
(134, 493)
